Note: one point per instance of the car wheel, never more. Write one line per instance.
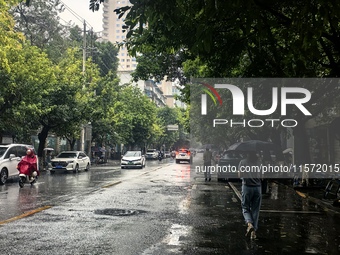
(177, 161)
(76, 169)
(52, 172)
(87, 167)
(121, 167)
(3, 176)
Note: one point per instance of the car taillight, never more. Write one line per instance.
(189, 153)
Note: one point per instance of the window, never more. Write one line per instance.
(127, 66)
(122, 60)
(128, 60)
(22, 151)
(117, 31)
(12, 150)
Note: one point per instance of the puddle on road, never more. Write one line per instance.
(118, 212)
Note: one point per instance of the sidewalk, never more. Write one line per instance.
(314, 195)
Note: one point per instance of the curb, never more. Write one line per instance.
(326, 207)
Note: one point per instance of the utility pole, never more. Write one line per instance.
(84, 48)
(82, 133)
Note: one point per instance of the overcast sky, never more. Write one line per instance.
(81, 8)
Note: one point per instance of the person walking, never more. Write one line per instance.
(48, 160)
(250, 173)
(207, 157)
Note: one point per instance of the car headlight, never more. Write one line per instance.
(69, 162)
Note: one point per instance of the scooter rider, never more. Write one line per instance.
(28, 165)
(160, 155)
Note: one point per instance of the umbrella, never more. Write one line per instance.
(288, 150)
(48, 149)
(252, 145)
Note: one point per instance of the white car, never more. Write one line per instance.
(71, 161)
(10, 156)
(151, 154)
(183, 155)
(132, 159)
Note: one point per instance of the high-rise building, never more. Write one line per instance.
(113, 32)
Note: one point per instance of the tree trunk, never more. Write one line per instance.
(42, 140)
(301, 151)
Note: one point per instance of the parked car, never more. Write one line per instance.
(183, 155)
(228, 166)
(10, 156)
(132, 159)
(167, 154)
(151, 154)
(71, 161)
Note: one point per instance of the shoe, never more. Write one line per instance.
(206, 179)
(209, 179)
(253, 235)
(250, 229)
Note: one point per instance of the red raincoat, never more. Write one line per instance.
(28, 164)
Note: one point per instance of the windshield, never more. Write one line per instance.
(132, 154)
(67, 155)
(151, 151)
(3, 150)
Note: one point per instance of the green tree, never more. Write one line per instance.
(23, 85)
(68, 102)
(134, 116)
(168, 116)
(41, 26)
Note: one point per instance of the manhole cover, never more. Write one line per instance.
(118, 212)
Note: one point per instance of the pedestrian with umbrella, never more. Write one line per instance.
(250, 173)
(207, 157)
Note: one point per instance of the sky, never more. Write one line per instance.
(81, 10)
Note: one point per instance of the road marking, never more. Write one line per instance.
(302, 212)
(112, 171)
(194, 186)
(238, 193)
(111, 184)
(24, 215)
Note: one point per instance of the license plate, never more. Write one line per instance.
(130, 163)
(58, 167)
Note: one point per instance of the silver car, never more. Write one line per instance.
(132, 159)
(71, 161)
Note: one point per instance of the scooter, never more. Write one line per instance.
(23, 178)
(160, 156)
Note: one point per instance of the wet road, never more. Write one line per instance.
(162, 209)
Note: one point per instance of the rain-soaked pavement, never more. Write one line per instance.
(163, 209)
